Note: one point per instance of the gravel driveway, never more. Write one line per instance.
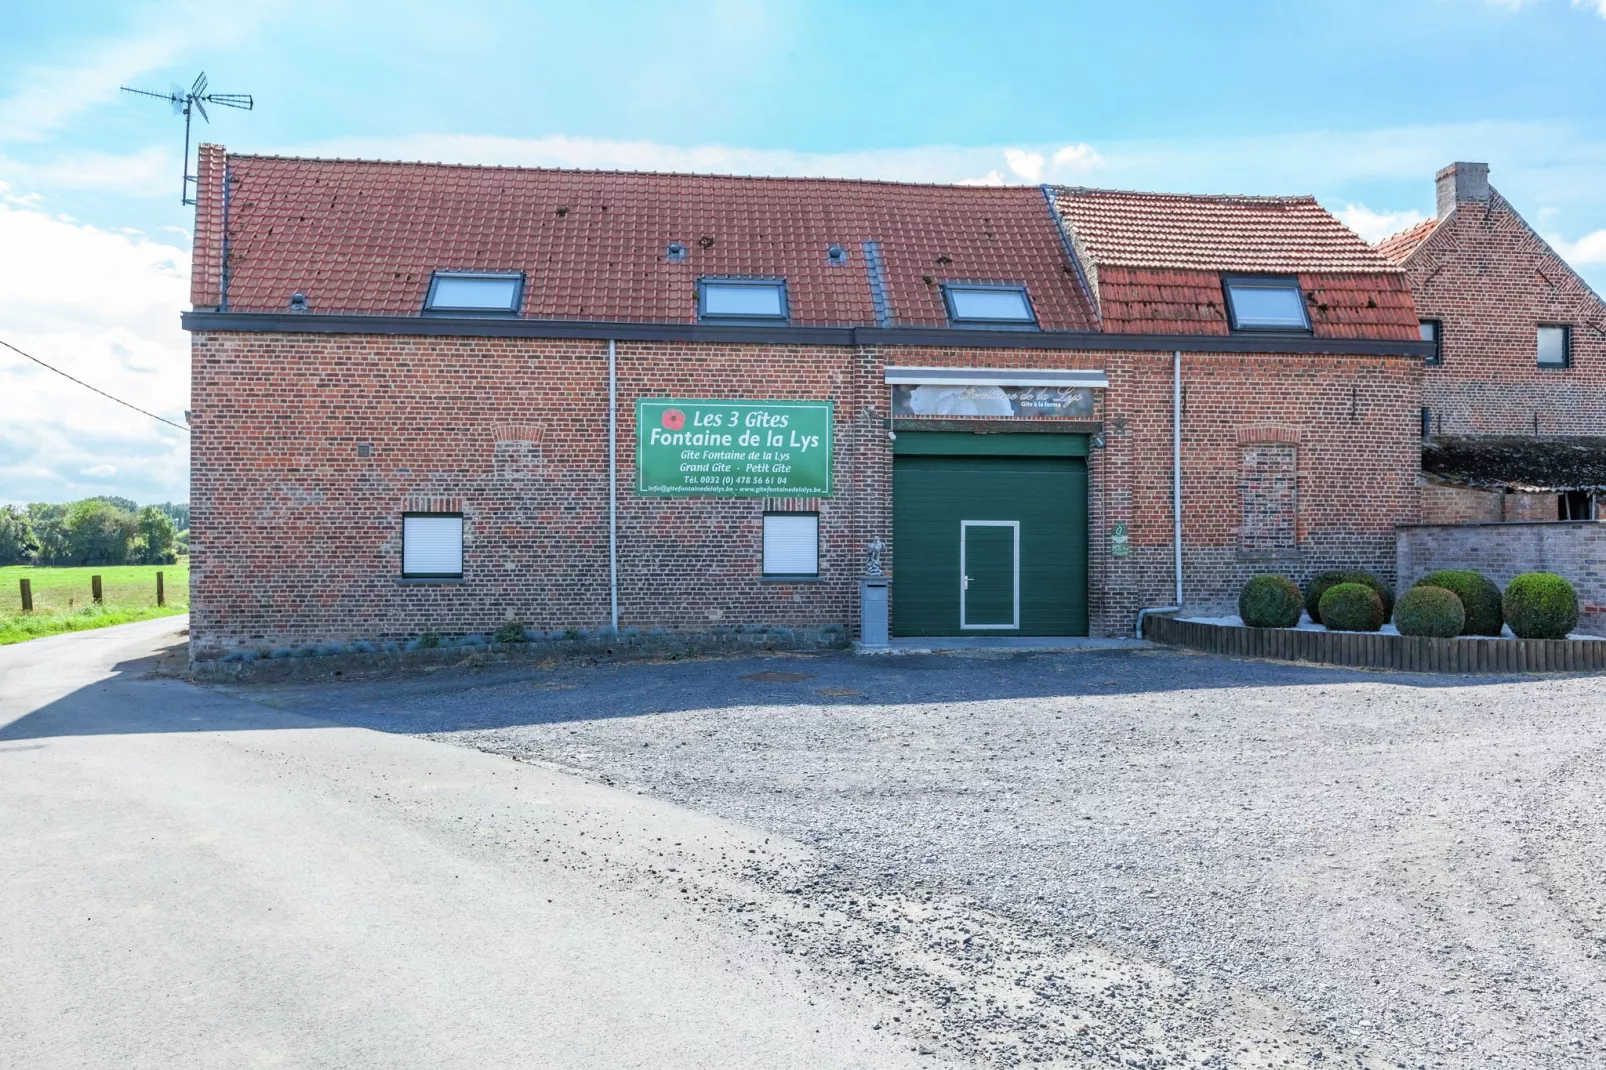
(1135, 857)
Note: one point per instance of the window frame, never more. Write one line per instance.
(1264, 282)
(763, 561)
(438, 576)
(1436, 358)
(777, 283)
(514, 309)
(1566, 330)
(988, 323)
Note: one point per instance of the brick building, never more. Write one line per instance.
(1514, 396)
(440, 398)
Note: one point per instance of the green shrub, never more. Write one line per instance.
(511, 632)
(1352, 607)
(1541, 605)
(1479, 597)
(1270, 602)
(429, 641)
(1323, 581)
(1432, 611)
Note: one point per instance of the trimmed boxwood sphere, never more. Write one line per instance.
(1352, 607)
(1479, 597)
(1430, 611)
(1323, 581)
(1541, 605)
(1270, 602)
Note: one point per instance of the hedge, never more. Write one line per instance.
(1352, 607)
(1480, 598)
(1541, 605)
(1271, 602)
(1431, 611)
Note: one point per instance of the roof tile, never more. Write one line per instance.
(365, 237)
(1212, 233)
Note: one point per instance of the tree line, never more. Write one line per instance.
(104, 530)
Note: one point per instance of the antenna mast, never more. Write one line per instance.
(194, 99)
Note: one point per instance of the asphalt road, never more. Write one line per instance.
(195, 880)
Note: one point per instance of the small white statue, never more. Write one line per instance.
(873, 553)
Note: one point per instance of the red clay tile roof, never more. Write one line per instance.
(1397, 248)
(364, 237)
(1167, 230)
(1340, 304)
(1155, 261)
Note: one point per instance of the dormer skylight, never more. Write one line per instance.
(475, 293)
(974, 304)
(1265, 304)
(741, 300)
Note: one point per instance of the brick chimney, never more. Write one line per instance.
(1461, 183)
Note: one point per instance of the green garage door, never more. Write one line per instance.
(989, 544)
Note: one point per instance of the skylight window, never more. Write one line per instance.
(1266, 305)
(988, 305)
(475, 293)
(741, 300)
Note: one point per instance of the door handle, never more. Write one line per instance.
(966, 585)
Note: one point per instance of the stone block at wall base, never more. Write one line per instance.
(324, 666)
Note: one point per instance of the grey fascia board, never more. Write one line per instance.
(992, 377)
(966, 338)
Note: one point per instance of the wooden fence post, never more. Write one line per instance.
(94, 588)
(161, 597)
(27, 596)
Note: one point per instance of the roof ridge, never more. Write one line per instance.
(1242, 198)
(625, 172)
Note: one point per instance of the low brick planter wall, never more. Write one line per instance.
(1373, 650)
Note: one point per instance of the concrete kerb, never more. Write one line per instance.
(477, 655)
(1024, 644)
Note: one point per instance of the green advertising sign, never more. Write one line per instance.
(733, 449)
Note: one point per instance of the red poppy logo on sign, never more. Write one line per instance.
(673, 419)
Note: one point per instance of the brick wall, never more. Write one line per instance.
(308, 448)
(1573, 549)
(1448, 504)
(1492, 281)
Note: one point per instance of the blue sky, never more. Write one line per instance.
(1357, 102)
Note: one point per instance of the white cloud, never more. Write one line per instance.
(150, 172)
(1078, 157)
(103, 307)
(1599, 6)
(1375, 226)
(1026, 165)
(51, 96)
(1588, 251)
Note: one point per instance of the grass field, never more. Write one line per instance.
(62, 600)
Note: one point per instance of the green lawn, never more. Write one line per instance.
(62, 600)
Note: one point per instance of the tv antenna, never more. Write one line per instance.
(196, 98)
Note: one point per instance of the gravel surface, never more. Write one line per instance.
(1142, 857)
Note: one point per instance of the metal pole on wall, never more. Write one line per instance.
(1176, 467)
(613, 487)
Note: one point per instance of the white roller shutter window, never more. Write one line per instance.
(432, 546)
(791, 545)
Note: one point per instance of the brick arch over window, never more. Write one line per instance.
(1257, 433)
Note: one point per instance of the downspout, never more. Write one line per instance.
(613, 488)
(1176, 492)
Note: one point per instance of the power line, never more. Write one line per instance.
(96, 389)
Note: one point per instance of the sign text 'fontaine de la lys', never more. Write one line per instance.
(733, 449)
